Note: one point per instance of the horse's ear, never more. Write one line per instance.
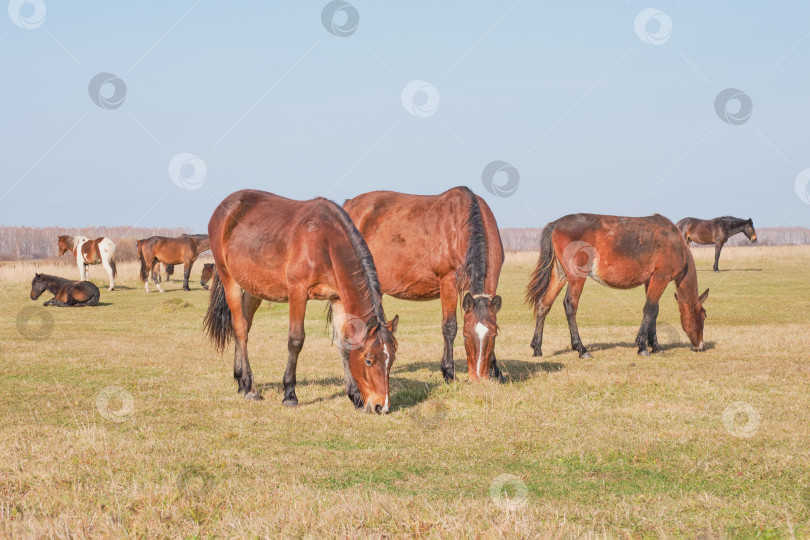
(392, 324)
(495, 304)
(704, 296)
(676, 297)
(468, 302)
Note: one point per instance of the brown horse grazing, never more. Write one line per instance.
(270, 248)
(99, 251)
(170, 251)
(620, 252)
(207, 274)
(439, 246)
(716, 231)
(66, 292)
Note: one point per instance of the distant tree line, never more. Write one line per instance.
(23, 243)
(529, 239)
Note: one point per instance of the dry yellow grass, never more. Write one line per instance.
(124, 422)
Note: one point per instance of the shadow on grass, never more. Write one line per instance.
(731, 270)
(521, 370)
(595, 348)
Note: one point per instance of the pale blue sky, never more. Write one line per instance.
(593, 118)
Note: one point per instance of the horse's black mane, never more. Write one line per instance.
(366, 262)
(731, 219)
(475, 263)
(51, 280)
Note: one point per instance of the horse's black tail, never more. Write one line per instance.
(114, 269)
(218, 322)
(169, 271)
(144, 276)
(541, 277)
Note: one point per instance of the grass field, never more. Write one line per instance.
(121, 420)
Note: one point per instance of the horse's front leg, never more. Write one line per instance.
(338, 320)
(647, 332)
(186, 273)
(718, 247)
(82, 269)
(295, 342)
(448, 294)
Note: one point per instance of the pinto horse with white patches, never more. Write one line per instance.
(98, 251)
(622, 253)
(270, 248)
(439, 246)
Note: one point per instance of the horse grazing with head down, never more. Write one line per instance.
(267, 247)
(439, 246)
(66, 292)
(99, 251)
(716, 231)
(170, 251)
(207, 274)
(623, 253)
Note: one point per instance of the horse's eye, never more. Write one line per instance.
(369, 361)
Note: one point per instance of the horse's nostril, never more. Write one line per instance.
(378, 409)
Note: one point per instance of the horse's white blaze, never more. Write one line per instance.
(481, 331)
(387, 365)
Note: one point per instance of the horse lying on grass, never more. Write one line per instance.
(66, 292)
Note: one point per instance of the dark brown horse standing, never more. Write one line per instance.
(270, 248)
(439, 246)
(170, 251)
(66, 292)
(716, 231)
(623, 253)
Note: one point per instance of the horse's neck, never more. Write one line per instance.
(53, 283)
(687, 287)
(351, 284)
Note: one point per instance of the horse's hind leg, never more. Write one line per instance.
(571, 303)
(186, 273)
(555, 285)
(241, 365)
(647, 332)
(156, 275)
(106, 264)
(295, 342)
(449, 299)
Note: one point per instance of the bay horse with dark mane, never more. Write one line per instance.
(99, 251)
(270, 248)
(439, 246)
(170, 251)
(716, 231)
(623, 253)
(66, 292)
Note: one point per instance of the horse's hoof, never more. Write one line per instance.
(585, 356)
(537, 353)
(644, 352)
(290, 402)
(253, 396)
